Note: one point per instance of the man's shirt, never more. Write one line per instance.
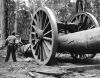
(11, 39)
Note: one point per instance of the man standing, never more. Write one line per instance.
(11, 47)
(80, 4)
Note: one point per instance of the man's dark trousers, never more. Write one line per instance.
(11, 49)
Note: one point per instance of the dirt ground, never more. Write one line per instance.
(64, 68)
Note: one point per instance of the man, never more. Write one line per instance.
(80, 4)
(10, 42)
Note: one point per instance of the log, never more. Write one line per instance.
(87, 41)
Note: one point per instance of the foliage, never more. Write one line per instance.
(23, 22)
(63, 9)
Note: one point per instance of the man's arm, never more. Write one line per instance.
(4, 44)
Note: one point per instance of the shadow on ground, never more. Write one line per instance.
(63, 60)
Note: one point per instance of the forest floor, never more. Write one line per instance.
(65, 67)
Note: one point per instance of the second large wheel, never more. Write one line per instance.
(86, 21)
(43, 36)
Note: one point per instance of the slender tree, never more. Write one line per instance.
(6, 18)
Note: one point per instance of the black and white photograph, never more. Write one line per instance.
(49, 38)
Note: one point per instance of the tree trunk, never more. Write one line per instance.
(5, 29)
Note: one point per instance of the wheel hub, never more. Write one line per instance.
(39, 34)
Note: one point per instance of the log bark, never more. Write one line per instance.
(87, 41)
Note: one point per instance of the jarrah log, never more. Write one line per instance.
(87, 41)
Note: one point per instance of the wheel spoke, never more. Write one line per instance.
(45, 51)
(32, 28)
(45, 21)
(46, 26)
(42, 15)
(36, 43)
(84, 18)
(34, 22)
(37, 17)
(84, 22)
(49, 32)
(48, 45)
(41, 52)
(91, 27)
(36, 48)
(48, 39)
(77, 19)
(40, 20)
(80, 18)
(88, 22)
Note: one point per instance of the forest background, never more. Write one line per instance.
(19, 12)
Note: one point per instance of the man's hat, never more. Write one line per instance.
(13, 33)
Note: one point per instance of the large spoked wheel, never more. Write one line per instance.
(86, 21)
(43, 36)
